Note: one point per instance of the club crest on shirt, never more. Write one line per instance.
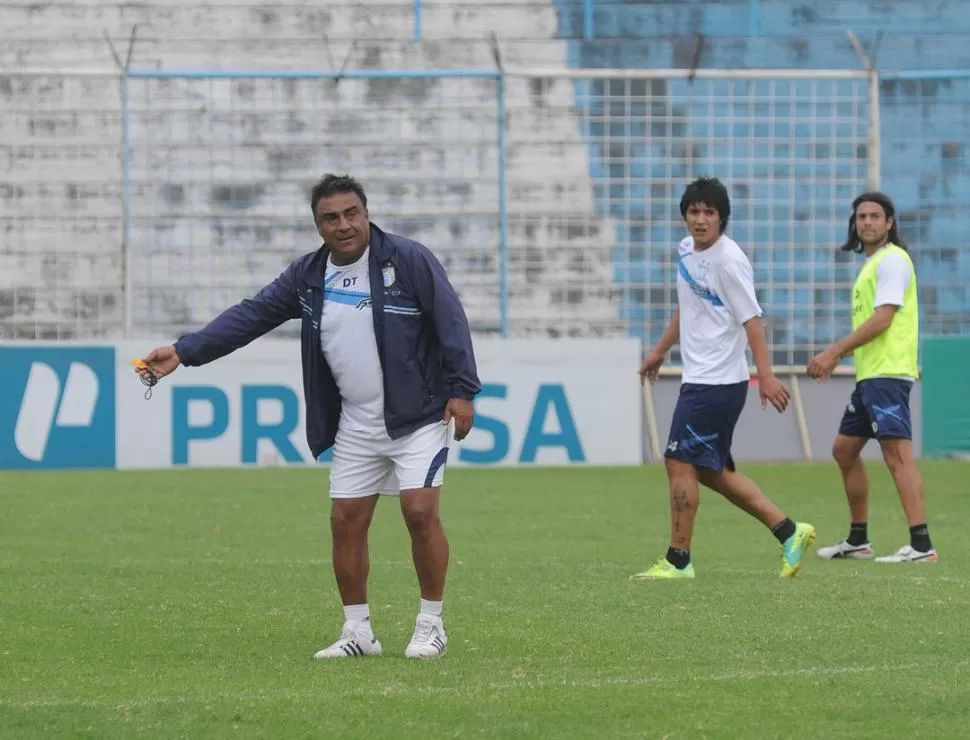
(696, 280)
(387, 272)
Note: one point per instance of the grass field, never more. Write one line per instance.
(190, 603)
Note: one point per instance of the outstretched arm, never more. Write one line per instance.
(872, 328)
(824, 363)
(235, 327)
(893, 276)
(240, 324)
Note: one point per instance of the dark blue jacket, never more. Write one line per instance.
(425, 360)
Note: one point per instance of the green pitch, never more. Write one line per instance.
(190, 603)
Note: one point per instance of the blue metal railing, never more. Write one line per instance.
(353, 74)
(926, 74)
(126, 199)
(502, 210)
(753, 13)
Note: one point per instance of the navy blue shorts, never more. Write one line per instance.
(703, 424)
(879, 409)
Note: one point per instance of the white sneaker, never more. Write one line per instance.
(844, 550)
(429, 640)
(356, 641)
(907, 554)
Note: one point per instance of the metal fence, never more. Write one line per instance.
(141, 204)
(62, 252)
(926, 167)
(220, 166)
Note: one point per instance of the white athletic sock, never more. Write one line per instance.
(431, 607)
(357, 613)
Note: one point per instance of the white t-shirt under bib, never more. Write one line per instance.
(350, 347)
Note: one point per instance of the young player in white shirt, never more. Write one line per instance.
(717, 316)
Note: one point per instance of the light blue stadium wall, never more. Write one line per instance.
(925, 124)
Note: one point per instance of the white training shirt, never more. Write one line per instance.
(892, 278)
(715, 292)
(350, 347)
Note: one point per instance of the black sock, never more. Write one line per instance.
(858, 534)
(919, 538)
(678, 558)
(783, 530)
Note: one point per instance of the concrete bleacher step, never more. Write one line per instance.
(514, 19)
(153, 53)
(360, 20)
(233, 33)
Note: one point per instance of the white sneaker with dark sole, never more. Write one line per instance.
(356, 641)
(429, 640)
(843, 550)
(907, 554)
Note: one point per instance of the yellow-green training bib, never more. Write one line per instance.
(894, 352)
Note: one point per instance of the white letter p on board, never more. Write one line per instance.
(42, 400)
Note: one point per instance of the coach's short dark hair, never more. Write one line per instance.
(711, 192)
(852, 241)
(334, 184)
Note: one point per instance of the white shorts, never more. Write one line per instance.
(363, 465)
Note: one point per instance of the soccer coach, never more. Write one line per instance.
(387, 365)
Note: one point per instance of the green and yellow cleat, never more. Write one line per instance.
(663, 568)
(794, 549)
